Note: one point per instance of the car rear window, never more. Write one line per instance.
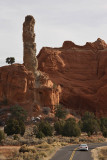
(83, 145)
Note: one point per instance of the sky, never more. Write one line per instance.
(79, 21)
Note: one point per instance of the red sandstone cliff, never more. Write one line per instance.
(82, 73)
(18, 86)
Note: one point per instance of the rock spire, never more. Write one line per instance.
(29, 55)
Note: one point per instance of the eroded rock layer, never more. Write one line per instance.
(17, 86)
(82, 73)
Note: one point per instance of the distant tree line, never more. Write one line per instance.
(89, 123)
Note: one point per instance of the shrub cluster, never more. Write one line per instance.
(90, 124)
(67, 128)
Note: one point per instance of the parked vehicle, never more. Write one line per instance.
(83, 147)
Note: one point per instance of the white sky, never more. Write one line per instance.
(56, 21)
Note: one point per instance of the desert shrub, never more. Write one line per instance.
(89, 123)
(45, 128)
(59, 125)
(49, 119)
(89, 134)
(1, 135)
(19, 113)
(35, 129)
(15, 136)
(40, 134)
(43, 145)
(15, 123)
(46, 110)
(22, 128)
(24, 149)
(71, 128)
(103, 123)
(80, 124)
(60, 112)
(104, 132)
(14, 127)
(88, 115)
(103, 126)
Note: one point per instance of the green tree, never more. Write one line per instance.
(42, 129)
(45, 128)
(90, 123)
(19, 113)
(71, 128)
(10, 60)
(60, 112)
(14, 126)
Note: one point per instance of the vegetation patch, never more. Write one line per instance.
(100, 153)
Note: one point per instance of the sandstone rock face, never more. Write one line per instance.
(17, 86)
(29, 57)
(82, 73)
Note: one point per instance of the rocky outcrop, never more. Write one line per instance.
(29, 45)
(82, 73)
(24, 84)
(17, 86)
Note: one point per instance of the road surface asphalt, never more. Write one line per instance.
(69, 153)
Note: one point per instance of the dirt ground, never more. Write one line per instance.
(8, 151)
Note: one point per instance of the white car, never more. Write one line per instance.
(83, 147)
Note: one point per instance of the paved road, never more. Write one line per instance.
(66, 153)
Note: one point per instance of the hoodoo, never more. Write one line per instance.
(29, 45)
